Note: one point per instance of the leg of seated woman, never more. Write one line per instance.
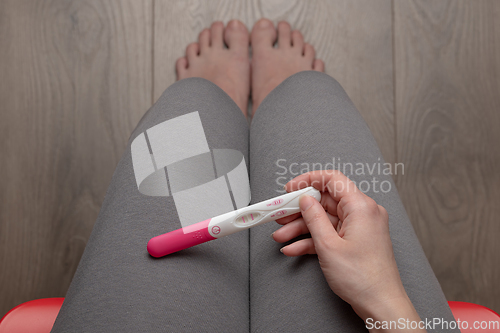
(308, 123)
(185, 162)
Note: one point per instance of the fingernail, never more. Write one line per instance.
(272, 235)
(305, 202)
(281, 250)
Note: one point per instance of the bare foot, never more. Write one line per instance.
(270, 66)
(228, 68)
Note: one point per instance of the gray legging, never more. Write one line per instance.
(242, 282)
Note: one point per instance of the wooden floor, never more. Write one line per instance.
(76, 76)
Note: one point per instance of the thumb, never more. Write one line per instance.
(318, 223)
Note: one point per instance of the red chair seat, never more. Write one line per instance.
(36, 316)
(474, 314)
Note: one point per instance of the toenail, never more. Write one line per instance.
(233, 24)
(264, 23)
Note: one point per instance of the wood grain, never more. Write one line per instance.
(78, 75)
(76, 78)
(447, 83)
(354, 38)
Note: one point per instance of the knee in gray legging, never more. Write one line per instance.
(308, 122)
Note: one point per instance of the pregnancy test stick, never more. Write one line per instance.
(229, 223)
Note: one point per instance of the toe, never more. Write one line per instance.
(236, 36)
(309, 52)
(204, 39)
(192, 51)
(181, 67)
(217, 31)
(319, 65)
(297, 40)
(263, 34)
(284, 35)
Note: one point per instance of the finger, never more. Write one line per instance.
(328, 203)
(333, 219)
(299, 248)
(333, 181)
(320, 227)
(286, 219)
(297, 228)
(363, 206)
(290, 231)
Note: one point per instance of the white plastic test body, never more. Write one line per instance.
(229, 223)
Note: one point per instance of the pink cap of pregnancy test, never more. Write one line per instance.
(179, 239)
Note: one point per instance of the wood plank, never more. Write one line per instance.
(354, 38)
(447, 81)
(76, 78)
